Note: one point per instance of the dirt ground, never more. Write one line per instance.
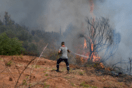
(43, 75)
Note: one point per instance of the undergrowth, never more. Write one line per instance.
(83, 84)
(8, 63)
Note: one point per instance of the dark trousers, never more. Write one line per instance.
(60, 60)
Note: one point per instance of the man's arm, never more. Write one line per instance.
(68, 51)
(59, 52)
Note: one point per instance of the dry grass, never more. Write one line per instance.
(47, 77)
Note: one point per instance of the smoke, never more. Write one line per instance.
(51, 15)
(120, 14)
(25, 12)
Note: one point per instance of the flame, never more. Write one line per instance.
(92, 47)
(94, 56)
(82, 59)
(85, 44)
(91, 8)
(102, 66)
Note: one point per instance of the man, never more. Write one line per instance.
(63, 52)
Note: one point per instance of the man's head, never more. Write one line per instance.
(62, 43)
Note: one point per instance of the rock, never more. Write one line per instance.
(10, 79)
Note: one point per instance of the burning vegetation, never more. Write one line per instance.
(97, 37)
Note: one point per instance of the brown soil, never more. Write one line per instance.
(45, 76)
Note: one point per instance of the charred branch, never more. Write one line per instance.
(100, 34)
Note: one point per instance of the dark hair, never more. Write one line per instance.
(62, 43)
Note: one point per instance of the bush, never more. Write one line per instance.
(30, 49)
(8, 63)
(84, 85)
(10, 46)
(52, 55)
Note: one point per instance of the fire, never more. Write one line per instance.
(85, 44)
(92, 54)
(82, 59)
(91, 8)
(92, 47)
(96, 58)
(102, 66)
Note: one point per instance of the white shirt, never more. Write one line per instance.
(64, 52)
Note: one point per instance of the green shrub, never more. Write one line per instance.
(81, 73)
(10, 46)
(37, 66)
(9, 63)
(24, 82)
(45, 85)
(52, 55)
(83, 84)
(46, 74)
(30, 49)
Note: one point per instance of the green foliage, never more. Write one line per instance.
(1, 22)
(2, 28)
(81, 73)
(52, 55)
(24, 82)
(1, 59)
(30, 49)
(10, 46)
(24, 35)
(72, 84)
(83, 84)
(27, 77)
(37, 66)
(9, 63)
(45, 85)
(33, 41)
(10, 34)
(46, 74)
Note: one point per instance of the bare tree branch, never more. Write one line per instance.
(23, 71)
(100, 34)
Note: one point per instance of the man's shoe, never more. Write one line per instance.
(57, 71)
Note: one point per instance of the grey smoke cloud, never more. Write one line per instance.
(24, 12)
(51, 15)
(120, 15)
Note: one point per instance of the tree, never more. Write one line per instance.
(7, 19)
(10, 46)
(24, 35)
(1, 23)
(99, 36)
(10, 34)
(2, 29)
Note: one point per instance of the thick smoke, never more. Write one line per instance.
(120, 14)
(51, 15)
(25, 12)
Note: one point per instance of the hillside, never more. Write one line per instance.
(32, 39)
(44, 75)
